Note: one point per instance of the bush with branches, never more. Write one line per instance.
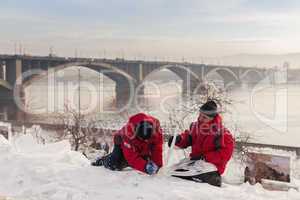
(181, 116)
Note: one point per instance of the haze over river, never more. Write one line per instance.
(271, 114)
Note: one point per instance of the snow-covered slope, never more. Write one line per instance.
(31, 171)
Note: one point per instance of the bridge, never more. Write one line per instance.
(128, 75)
(294, 75)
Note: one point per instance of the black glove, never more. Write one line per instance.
(218, 142)
(201, 157)
(118, 139)
(178, 139)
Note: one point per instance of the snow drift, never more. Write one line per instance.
(53, 172)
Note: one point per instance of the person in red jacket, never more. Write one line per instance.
(138, 145)
(209, 141)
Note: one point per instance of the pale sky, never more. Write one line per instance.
(150, 29)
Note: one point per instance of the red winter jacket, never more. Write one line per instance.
(136, 150)
(202, 138)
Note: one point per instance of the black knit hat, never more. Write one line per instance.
(144, 130)
(210, 108)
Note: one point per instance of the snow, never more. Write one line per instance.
(33, 171)
(234, 173)
(297, 169)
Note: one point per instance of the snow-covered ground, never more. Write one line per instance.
(33, 171)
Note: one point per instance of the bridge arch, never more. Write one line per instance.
(180, 70)
(109, 70)
(190, 79)
(125, 84)
(229, 77)
(5, 85)
(252, 76)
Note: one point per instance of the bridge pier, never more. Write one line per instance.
(9, 111)
(189, 87)
(6, 94)
(127, 93)
(2, 70)
(14, 71)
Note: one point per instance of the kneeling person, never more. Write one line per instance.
(138, 145)
(210, 141)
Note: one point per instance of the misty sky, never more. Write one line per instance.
(151, 29)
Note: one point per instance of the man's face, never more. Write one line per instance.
(204, 118)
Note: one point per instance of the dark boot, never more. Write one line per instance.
(212, 178)
(113, 161)
(98, 162)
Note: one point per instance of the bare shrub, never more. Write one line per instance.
(208, 91)
(74, 127)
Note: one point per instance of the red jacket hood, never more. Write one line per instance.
(136, 119)
(137, 151)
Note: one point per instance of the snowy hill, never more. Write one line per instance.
(35, 172)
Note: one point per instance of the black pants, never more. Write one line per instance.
(212, 178)
(113, 161)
